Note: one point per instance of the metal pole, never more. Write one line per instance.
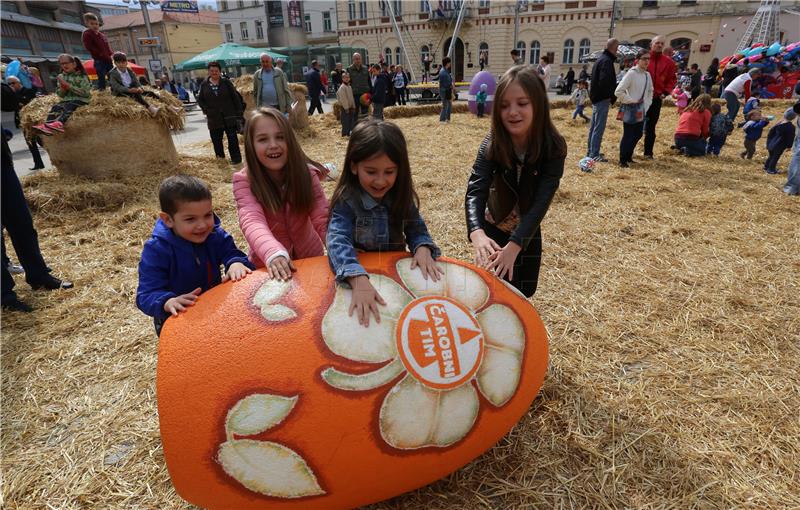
(458, 27)
(613, 19)
(146, 17)
(402, 42)
(516, 24)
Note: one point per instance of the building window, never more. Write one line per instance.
(398, 56)
(49, 39)
(643, 43)
(423, 53)
(14, 36)
(571, 5)
(362, 10)
(483, 51)
(521, 48)
(650, 3)
(351, 9)
(42, 14)
(536, 52)
(222, 5)
(688, 2)
(327, 26)
(483, 4)
(9, 7)
(307, 18)
(259, 29)
(240, 4)
(384, 6)
(243, 30)
(388, 58)
(275, 14)
(569, 51)
(424, 6)
(228, 33)
(584, 48)
(398, 8)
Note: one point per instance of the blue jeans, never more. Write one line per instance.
(579, 112)
(377, 111)
(102, 69)
(598, 127)
(733, 104)
(695, 146)
(447, 105)
(715, 144)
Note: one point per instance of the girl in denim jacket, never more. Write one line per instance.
(375, 208)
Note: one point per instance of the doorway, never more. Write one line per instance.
(458, 58)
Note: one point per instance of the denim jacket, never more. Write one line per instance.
(359, 222)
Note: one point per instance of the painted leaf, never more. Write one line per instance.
(501, 369)
(277, 313)
(271, 291)
(268, 468)
(362, 382)
(256, 413)
(459, 283)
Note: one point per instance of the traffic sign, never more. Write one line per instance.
(155, 65)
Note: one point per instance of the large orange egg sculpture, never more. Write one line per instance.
(271, 396)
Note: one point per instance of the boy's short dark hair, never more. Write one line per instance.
(715, 108)
(515, 52)
(445, 61)
(118, 56)
(90, 17)
(214, 63)
(181, 188)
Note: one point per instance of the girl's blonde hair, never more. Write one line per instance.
(701, 104)
(299, 192)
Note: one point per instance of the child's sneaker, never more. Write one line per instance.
(56, 125)
(771, 171)
(42, 128)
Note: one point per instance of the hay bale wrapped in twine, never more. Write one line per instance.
(298, 116)
(109, 137)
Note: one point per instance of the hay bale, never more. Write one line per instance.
(244, 85)
(298, 116)
(401, 112)
(109, 137)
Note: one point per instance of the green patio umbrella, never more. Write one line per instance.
(228, 55)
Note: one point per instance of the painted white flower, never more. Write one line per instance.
(437, 337)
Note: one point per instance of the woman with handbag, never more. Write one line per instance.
(224, 110)
(635, 93)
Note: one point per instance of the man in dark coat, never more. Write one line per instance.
(570, 78)
(223, 107)
(18, 224)
(601, 93)
(314, 84)
(360, 83)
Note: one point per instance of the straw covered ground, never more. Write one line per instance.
(669, 290)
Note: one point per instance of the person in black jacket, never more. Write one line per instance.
(223, 107)
(18, 224)
(570, 78)
(314, 84)
(514, 178)
(379, 86)
(601, 93)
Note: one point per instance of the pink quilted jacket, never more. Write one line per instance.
(295, 236)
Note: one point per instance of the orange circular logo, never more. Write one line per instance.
(440, 342)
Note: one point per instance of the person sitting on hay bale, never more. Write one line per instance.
(123, 83)
(75, 91)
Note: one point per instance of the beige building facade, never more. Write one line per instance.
(562, 30)
(699, 30)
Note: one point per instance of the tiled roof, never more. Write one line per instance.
(134, 19)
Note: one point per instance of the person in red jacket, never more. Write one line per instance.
(96, 43)
(693, 127)
(662, 69)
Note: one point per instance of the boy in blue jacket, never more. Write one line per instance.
(780, 138)
(183, 257)
(753, 129)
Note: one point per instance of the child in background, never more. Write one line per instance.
(74, 90)
(792, 186)
(752, 103)
(579, 99)
(514, 179)
(681, 97)
(124, 83)
(480, 100)
(753, 129)
(779, 138)
(183, 257)
(375, 192)
(282, 209)
(346, 100)
(721, 126)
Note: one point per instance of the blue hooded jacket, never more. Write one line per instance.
(172, 266)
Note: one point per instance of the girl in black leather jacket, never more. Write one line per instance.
(514, 179)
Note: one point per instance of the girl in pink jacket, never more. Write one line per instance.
(283, 212)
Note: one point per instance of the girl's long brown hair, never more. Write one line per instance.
(299, 192)
(371, 139)
(544, 140)
(700, 104)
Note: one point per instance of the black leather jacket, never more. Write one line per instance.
(496, 187)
